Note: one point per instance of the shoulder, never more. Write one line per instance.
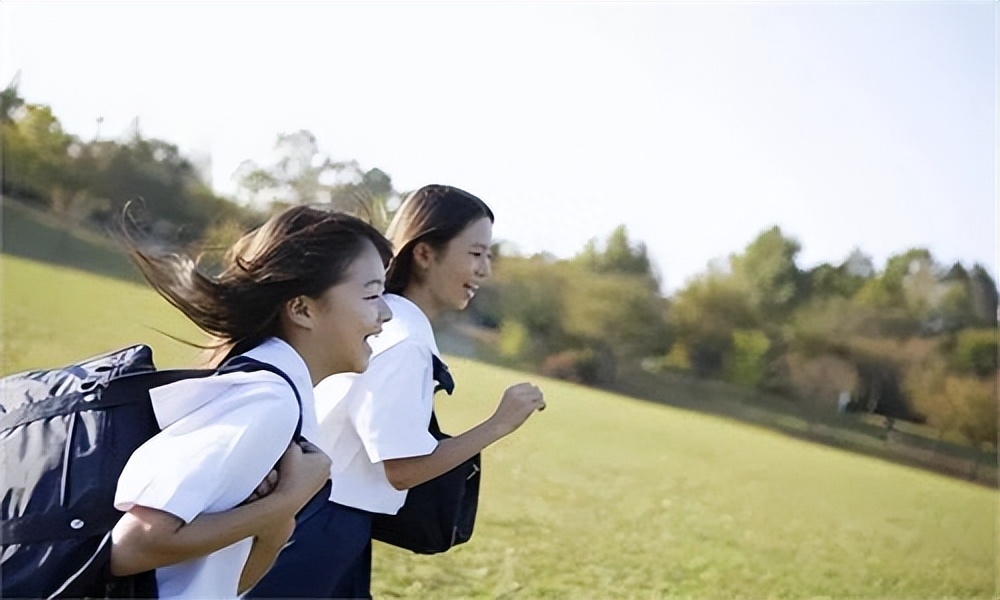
(260, 395)
(242, 396)
(279, 354)
(408, 351)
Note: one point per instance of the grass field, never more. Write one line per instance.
(602, 496)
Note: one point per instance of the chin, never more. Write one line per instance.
(360, 365)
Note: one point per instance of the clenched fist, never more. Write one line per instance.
(516, 405)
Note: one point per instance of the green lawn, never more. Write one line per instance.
(53, 315)
(602, 496)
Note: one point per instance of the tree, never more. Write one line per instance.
(35, 151)
(983, 296)
(302, 174)
(619, 255)
(370, 194)
(10, 100)
(767, 271)
(704, 315)
(844, 280)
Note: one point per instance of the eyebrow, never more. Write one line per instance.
(478, 245)
(375, 282)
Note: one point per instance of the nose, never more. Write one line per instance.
(384, 312)
(485, 267)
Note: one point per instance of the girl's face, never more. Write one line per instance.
(453, 274)
(350, 312)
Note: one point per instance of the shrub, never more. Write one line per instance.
(579, 366)
(746, 365)
(975, 352)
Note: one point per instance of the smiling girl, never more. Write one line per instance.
(205, 508)
(375, 426)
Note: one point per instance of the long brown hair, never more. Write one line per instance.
(302, 251)
(434, 214)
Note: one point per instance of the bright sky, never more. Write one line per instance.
(868, 124)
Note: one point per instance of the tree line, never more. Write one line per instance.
(914, 339)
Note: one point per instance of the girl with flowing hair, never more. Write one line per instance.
(211, 499)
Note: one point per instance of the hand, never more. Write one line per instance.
(264, 488)
(516, 405)
(308, 447)
(271, 480)
(302, 472)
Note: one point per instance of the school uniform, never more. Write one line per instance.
(220, 437)
(364, 419)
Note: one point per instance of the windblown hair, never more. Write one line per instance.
(302, 251)
(435, 215)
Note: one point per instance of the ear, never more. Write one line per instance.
(423, 256)
(299, 311)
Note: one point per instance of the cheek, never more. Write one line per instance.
(365, 316)
(463, 270)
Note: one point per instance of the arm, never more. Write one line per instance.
(146, 538)
(268, 543)
(517, 404)
(266, 547)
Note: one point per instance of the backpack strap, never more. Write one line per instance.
(442, 375)
(245, 364)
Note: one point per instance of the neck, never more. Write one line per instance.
(301, 347)
(424, 300)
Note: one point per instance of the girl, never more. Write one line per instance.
(211, 499)
(374, 426)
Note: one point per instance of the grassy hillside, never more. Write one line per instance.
(603, 496)
(54, 315)
(29, 233)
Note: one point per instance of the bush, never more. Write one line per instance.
(820, 380)
(514, 341)
(707, 351)
(567, 365)
(677, 359)
(746, 365)
(975, 352)
(581, 365)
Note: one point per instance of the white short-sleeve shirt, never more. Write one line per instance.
(220, 437)
(380, 414)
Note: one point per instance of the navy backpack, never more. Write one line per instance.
(65, 436)
(437, 514)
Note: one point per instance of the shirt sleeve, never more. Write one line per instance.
(212, 458)
(393, 412)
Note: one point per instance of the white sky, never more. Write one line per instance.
(869, 124)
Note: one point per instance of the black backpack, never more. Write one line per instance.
(437, 514)
(65, 436)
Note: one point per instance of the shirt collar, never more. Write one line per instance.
(278, 352)
(408, 321)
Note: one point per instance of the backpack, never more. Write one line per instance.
(65, 436)
(440, 513)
